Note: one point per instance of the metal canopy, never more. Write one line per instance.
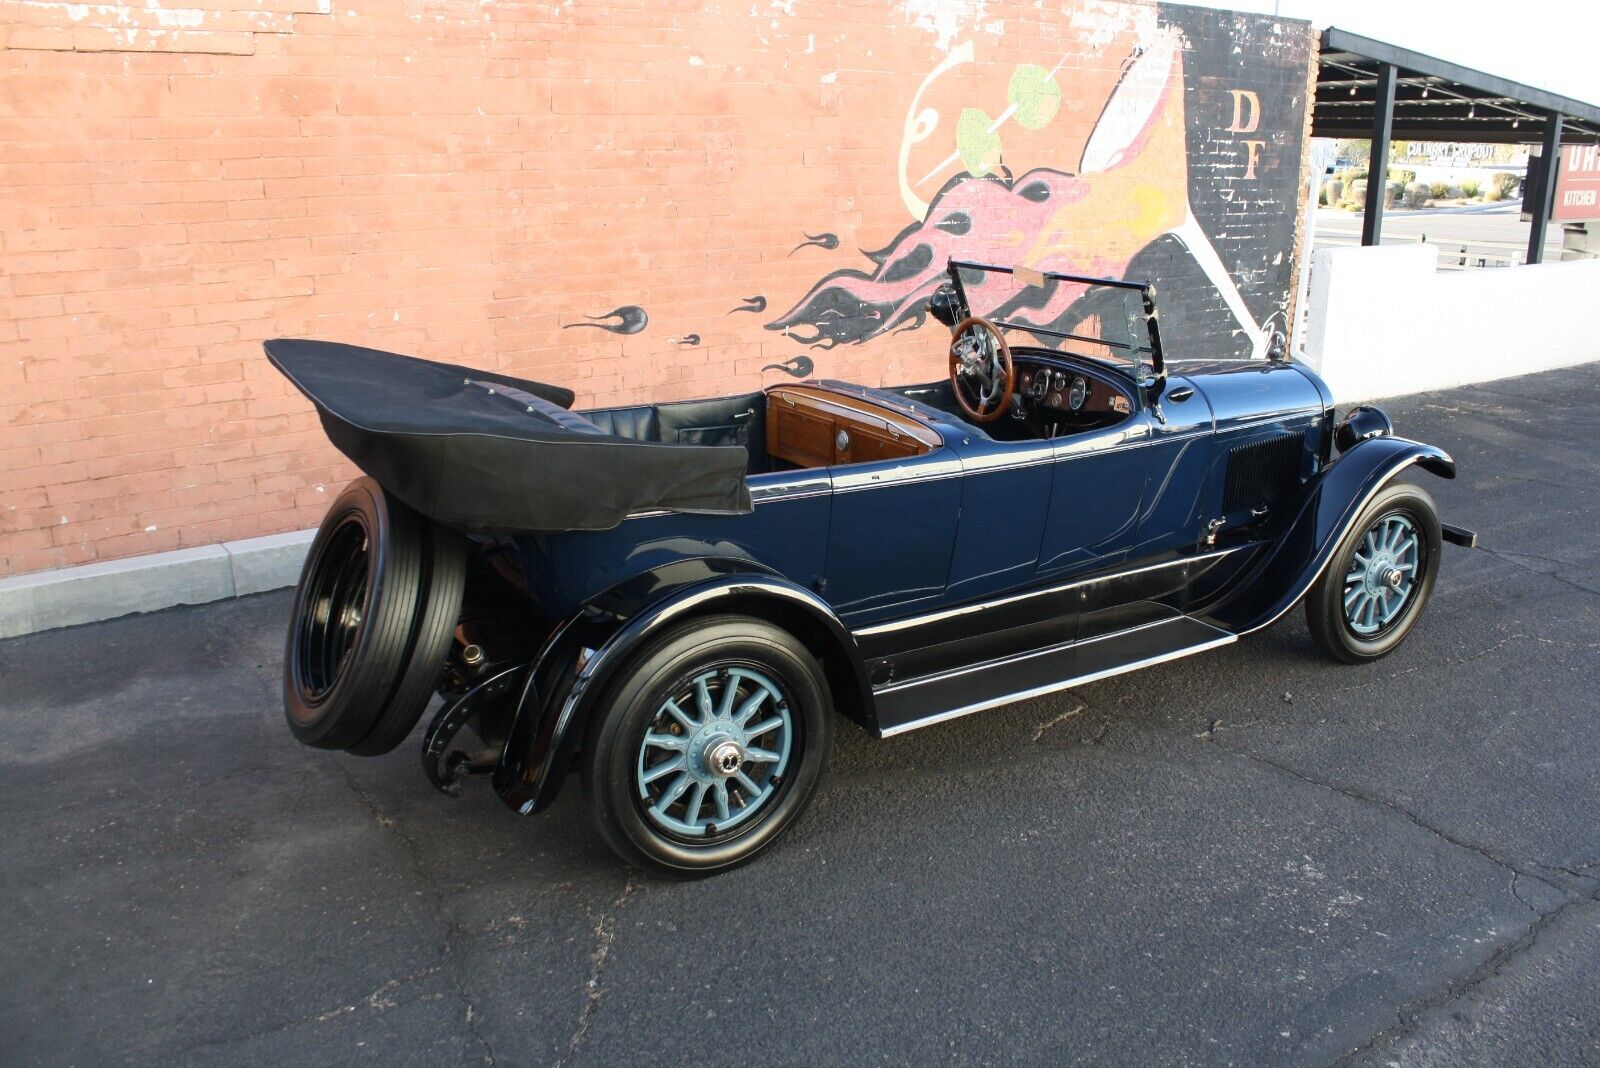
(1435, 100)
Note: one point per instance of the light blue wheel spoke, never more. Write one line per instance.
(721, 798)
(675, 791)
(749, 708)
(763, 756)
(666, 767)
(676, 742)
(702, 699)
(691, 814)
(673, 709)
(753, 791)
(763, 727)
(1351, 596)
(730, 690)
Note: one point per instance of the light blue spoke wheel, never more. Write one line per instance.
(707, 743)
(716, 752)
(1382, 577)
(1373, 590)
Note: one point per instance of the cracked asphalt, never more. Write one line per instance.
(1251, 856)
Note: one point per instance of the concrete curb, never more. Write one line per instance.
(67, 596)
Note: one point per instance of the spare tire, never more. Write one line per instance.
(445, 576)
(365, 614)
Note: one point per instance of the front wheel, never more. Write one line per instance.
(708, 746)
(1380, 577)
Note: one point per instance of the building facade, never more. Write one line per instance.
(639, 200)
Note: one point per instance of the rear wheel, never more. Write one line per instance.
(371, 624)
(1380, 577)
(710, 744)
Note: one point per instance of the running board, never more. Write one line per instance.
(920, 702)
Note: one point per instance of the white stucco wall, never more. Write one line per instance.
(1384, 321)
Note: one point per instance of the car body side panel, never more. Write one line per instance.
(787, 533)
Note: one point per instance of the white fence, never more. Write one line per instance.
(1384, 321)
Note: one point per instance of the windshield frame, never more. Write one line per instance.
(1147, 296)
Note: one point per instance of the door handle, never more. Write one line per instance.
(1182, 393)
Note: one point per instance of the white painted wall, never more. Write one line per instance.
(1385, 321)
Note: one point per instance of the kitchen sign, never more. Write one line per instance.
(1577, 185)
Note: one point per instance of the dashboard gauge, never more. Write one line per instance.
(1060, 381)
(1040, 385)
(1080, 391)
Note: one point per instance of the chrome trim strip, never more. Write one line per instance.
(776, 496)
(908, 481)
(1079, 680)
(960, 610)
(1267, 420)
(1017, 658)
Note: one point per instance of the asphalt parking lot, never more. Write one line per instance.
(1253, 856)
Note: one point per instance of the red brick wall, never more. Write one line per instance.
(465, 180)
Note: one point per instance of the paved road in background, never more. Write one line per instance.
(1251, 856)
(1492, 231)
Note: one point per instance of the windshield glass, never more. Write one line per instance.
(1099, 318)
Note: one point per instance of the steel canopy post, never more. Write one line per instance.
(1544, 192)
(1378, 160)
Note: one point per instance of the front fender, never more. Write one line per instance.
(1331, 505)
(585, 654)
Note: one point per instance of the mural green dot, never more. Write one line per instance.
(978, 145)
(1035, 95)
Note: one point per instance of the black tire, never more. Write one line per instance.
(444, 581)
(1370, 637)
(355, 622)
(614, 749)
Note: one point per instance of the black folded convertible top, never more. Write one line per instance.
(487, 452)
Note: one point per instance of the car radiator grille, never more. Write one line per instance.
(1263, 472)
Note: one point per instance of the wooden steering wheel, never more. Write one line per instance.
(982, 373)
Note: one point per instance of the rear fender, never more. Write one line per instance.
(586, 653)
(1332, 503)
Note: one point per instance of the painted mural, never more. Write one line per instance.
(1181, 169)
(1129, 187)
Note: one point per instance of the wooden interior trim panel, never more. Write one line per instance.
(815, 427)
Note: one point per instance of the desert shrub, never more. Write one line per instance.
(1470, 190)
(1357, 190)
(1416, 195)
(1504, 183)
(1332, 190)
(1393, 191)
(1322, 198)
(1404, 177)
(1439, 190)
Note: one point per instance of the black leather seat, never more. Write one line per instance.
(639, 423)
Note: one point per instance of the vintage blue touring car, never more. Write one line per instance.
(676, 598)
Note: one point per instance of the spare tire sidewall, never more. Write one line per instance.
(340, 713)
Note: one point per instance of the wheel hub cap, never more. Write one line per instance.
(724, 758)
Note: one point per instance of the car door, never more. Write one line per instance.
(1097, 487)
(892, 534)
(1005, 498)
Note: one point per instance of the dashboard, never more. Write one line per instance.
(1055, 393)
